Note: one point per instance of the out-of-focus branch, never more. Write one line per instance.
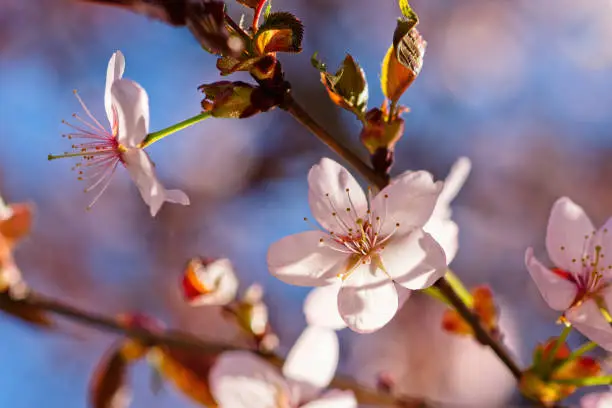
(482, 335)
(173, 338)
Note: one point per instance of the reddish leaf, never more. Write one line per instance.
(108, 387)
(18, 225)
(187, 370)
(25, 312)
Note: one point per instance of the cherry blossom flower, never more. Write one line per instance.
(580, 283)
(209, 282)
(368, 246)
(101, 149)
(240, 379)
(319, 306)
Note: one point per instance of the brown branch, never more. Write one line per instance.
(291, 106)
(482, 335)
(174, 338)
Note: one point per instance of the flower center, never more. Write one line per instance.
(361, 236)
(98, 150)
(594, 272)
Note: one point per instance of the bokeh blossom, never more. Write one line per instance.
(239, 379)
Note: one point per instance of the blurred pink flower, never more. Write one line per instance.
(127, 109)
(319, 306)
(240, 379)
(209, 282)
(597, 400)
(580, 284)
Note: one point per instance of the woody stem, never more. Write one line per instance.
(174, 338)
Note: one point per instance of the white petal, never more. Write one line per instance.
(334, 399)
(588, 319)
(452, 184)
(5, 210)
(116, 67)
(414, 260)
(214, 283)
(327, 195)
(321, 307)
(446, 233)
(142, 172)
(409, 200)
(130, 102)
(240, 379)
(367, 300)
(597, 400)
(558, 292)
(568, 227)
(403, 295)
(312, 361)
(302, 260)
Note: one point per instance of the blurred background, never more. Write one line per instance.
(523, 88)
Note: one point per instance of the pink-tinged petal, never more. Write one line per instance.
(452, 185)
(301, 259)
(312, 362)
(328, 182)
(141, 170)
(597, 400)
(116, 67)
(321, 307)
(566, 235)
(409, 200)
(334, 399)
(240, 379)
(212, 283)
(367, 300)
(130, 102)
(414, 260)
(558, 292)
(446, 233)
(403, 295)
(588, 319)
(603, 240)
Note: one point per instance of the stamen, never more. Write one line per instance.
(87, 110)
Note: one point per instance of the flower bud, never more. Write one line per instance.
(379, 132)
(209, 282)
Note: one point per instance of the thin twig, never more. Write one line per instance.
(482, 335)
(291, 106)
(174, 338)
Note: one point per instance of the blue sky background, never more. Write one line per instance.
(524, 88)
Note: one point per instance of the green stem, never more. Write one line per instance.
(464, 294)
(586, 382)
(553, 352)
(155, 136)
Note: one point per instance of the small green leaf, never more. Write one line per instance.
(407, 11)
(280, 32)
(317, 63)
(348, 87)
(268, 10)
